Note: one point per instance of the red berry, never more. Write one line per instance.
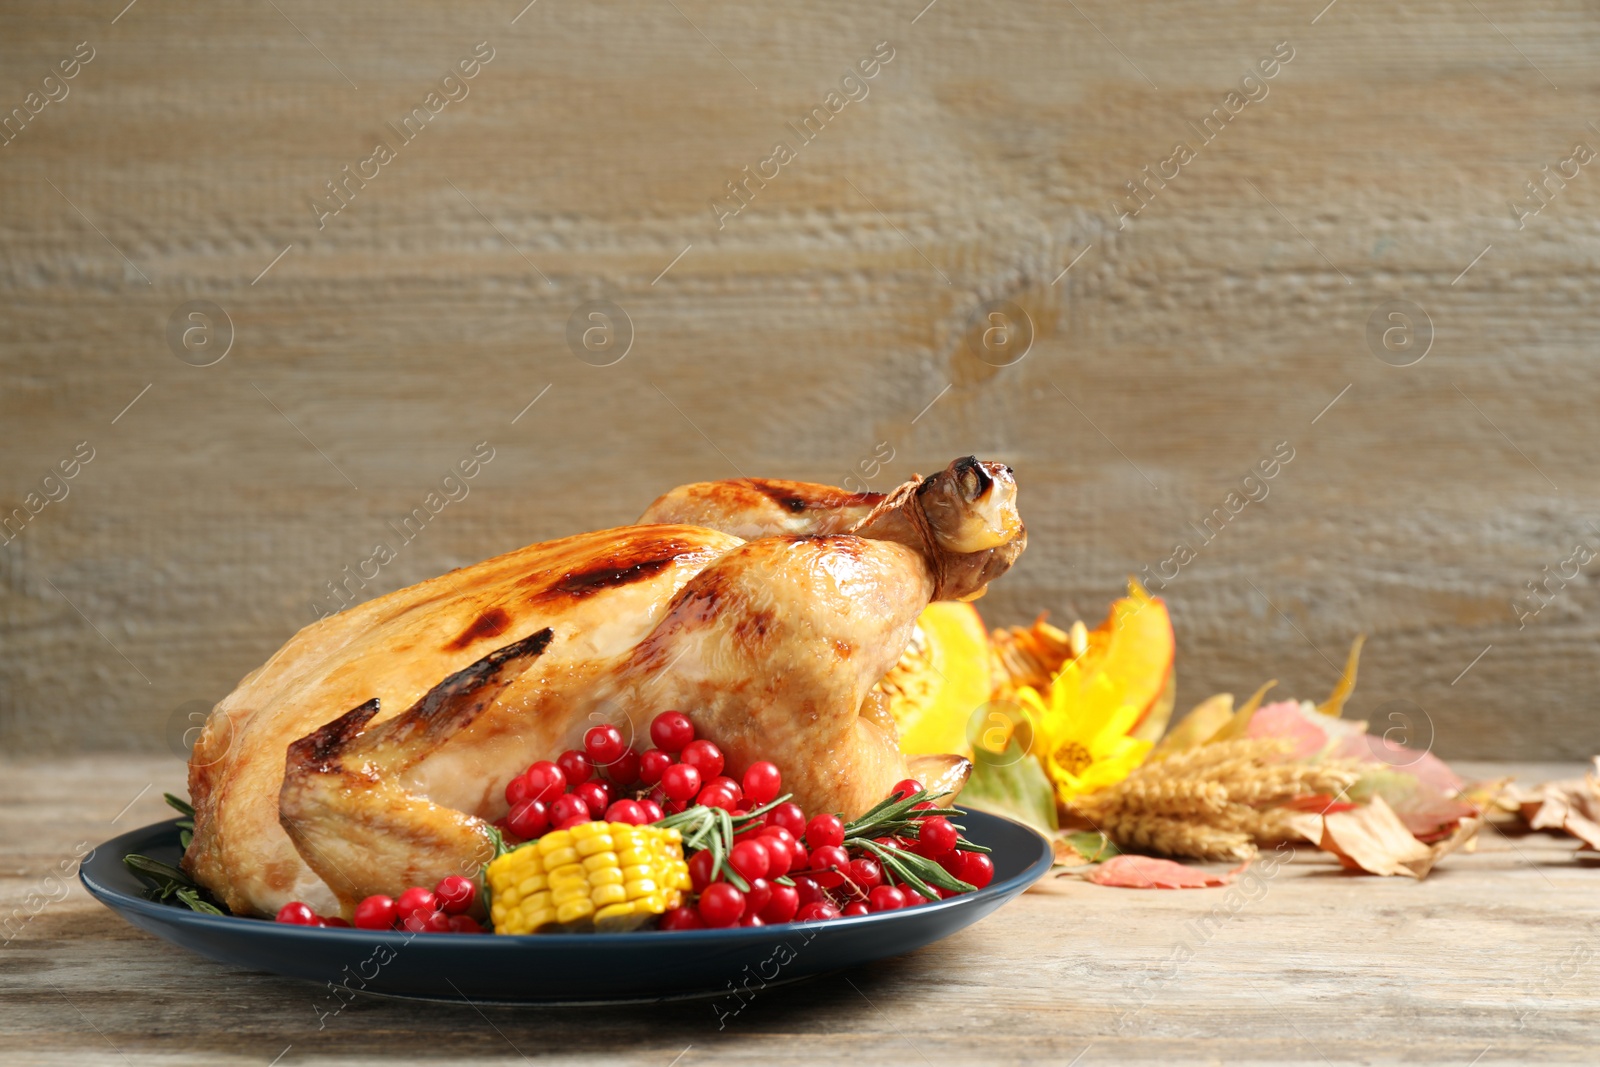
(824, 830)
(516, 791)
(727, 785)
(597, 795)
(721, 904)
(427, 922)
(938, 836)
(782, 905)
(569, 808)
(779, 833)
(333, 921)
(816, 912)
(628, 811)
(529, 819)
(455, 894)
(866, 874)
(756, 899)
(681, 781)
(414, 901)
(976, 869)
(906, 787)
(576, 766)
(762, 783)
(604, 743)
(925, 805)
(751, 919)
(704, 757)
(545, 780)
(780, 852)
(296, 913)
(789, 816)
(671, 731)
(682, 918)
(652, 811)
(749, 858)
(652, 764)
(375, 913)
(856, 907)
(700, 871)
(825, 858)
(808, 891)
(716, 796)
(464, 924)
(624, 770)
(952, 861)
(886, 898)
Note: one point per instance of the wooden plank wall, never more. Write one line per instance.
(829, 314)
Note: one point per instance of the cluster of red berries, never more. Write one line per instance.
(828, 879)
(602, 781)
(785, 867)
(440, 910)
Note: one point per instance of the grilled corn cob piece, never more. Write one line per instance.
(597, 875)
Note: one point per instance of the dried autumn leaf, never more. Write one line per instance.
(1333, 707)
(1571, 805)
(1372, 838)
(1065, 854)
(1207, 717)
(1147, 872)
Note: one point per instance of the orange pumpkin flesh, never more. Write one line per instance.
(940, 681)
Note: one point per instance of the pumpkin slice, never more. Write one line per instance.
(940, 680)
(1133, 648)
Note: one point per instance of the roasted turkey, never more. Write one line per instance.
(368, 754)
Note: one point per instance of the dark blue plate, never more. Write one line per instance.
(559, 968)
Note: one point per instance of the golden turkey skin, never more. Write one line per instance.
(371, 751)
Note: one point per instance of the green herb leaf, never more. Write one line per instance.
(192, 898)
(919, 872)
(167, 881)
(1092, 845)
(184, 837)
(1011, 784)
(180, 804)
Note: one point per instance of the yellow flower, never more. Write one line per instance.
(1081, 732)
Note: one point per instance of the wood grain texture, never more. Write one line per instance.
(1492, 957)
(822, 319)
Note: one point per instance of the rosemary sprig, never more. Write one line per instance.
(186, 824)
(712, 830)
(167, 881)
(918, 872)
(895, 817)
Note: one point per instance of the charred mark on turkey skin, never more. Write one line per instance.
(593, 579)
(796, 504)
(321, 745)
(631, 563)
(491, 623)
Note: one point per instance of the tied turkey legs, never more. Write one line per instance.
(765, 610)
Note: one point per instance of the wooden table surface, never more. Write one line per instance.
(1491, 960)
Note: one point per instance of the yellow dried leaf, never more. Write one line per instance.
(1334, 705)
(1208, 716)
(1235, 727)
